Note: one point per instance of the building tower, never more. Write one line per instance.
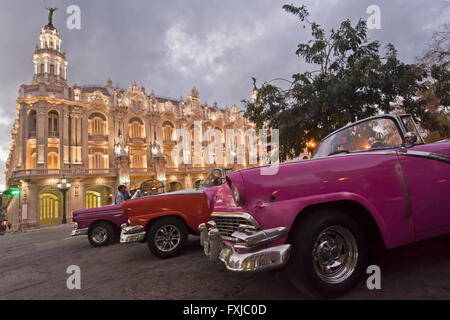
(50, 65)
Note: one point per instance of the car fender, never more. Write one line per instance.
(293, 207)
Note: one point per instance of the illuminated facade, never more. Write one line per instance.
(98, 136)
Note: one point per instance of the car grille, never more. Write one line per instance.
(227, 225)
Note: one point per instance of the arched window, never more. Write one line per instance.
(222, 136)
(32, 160)
(53, 124)
(49, 209)
(93, 199)
(98, 160)
(52, 69)
(32, 124)
(53, 160)
(42, 68)
(195, 130)
(174, 186)
(98, 124)
(136, 128)
(138, 159)
(168, 131)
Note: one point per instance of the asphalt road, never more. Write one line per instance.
(33, 266)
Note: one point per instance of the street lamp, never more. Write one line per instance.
(64, 186)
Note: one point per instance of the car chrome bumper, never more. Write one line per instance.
(132, 234)
(256, 260)
(79, 232)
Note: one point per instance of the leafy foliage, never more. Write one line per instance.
(353, 80)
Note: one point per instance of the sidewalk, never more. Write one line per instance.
(34, 229)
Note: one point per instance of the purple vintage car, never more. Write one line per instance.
(103, 225)
(371, 180)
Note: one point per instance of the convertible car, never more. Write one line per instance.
(371, 180)
(165, 221)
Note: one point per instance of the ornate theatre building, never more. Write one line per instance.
(96, 137)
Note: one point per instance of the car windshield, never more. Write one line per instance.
(213, 179)
(371, 134)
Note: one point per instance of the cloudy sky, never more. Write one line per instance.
(170, 46)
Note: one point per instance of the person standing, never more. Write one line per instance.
(120, 195)
(126, 194)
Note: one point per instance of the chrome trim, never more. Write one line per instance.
(132, 229)
(216, 250)
(335, 254)
(424, 154)
(270, 258)
(132, 234)
(203, 233)
(213, 247)
(253, 240)
(243, 215)
(135, 237)
(79, 232)
(400, 152)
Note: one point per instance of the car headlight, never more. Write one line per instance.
(235, 194)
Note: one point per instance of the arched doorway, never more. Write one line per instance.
(98, 196)
(197, 184)
(152, 186)
(174, 186)
(50, 208)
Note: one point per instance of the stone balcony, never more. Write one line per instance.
(98, 137)
(172, 170)
(68, 172)
(53, 134)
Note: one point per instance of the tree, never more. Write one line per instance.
(352, 81)
(436, 116)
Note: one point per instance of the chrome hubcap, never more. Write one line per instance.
(100, 234)
(335, 254)
(167, 238)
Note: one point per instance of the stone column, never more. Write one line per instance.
(148, 140)
(41, 134)
(111, 137)
(32, 201)
(23, 136)
(84, 140)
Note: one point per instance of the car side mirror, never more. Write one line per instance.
(410, 139)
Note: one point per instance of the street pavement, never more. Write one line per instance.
(33, 266)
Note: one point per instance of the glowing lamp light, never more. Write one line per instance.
(14, 192)
(311, 144)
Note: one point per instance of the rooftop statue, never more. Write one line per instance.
(50, 16)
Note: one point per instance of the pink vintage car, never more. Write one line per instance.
(371, 180)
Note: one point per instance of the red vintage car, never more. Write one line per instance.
(372, 180)
(164, 221)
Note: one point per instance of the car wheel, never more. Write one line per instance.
(100, 234)
(166, 237)
(329, 254)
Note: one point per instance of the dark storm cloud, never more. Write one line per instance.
(170, 46)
